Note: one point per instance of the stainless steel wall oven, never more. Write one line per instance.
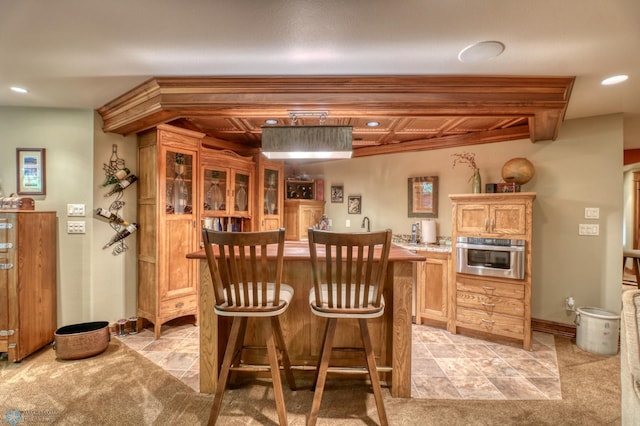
(495, 257)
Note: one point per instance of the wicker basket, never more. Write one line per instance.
(81, 340)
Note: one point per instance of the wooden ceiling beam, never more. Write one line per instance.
(543, 100)
(491, 136)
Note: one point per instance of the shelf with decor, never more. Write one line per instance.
(300, 189)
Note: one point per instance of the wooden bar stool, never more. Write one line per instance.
(246, 286)
(348, 285)
(635, 256)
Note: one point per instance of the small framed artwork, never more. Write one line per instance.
(354, 204)
(31, 171)
(423, 196)
(337, 192)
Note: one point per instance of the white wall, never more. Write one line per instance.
(582, 168)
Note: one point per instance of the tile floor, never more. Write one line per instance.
(445, 366)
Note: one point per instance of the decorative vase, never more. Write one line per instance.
(476, 182)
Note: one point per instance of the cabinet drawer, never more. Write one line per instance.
(490, 304)
(187, 305)
(499, 324)
(490, 288)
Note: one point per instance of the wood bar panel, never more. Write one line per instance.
(391, 333)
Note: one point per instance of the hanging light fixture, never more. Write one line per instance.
(307, 142)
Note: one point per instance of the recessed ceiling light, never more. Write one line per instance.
(480, 52)
(373, 124)
(19, 89)
(614, 80)
(271, 121)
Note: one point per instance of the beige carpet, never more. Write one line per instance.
(121, 387)
(117, 387)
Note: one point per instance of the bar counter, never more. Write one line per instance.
(390, 334)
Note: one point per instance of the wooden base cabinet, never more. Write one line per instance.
(432, 288)
(168, 224)
(493, 306)
(28, 281)
(299, 216)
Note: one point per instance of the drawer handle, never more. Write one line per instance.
(490, 305)
(488, 321)
(486, 287)
(179, 305)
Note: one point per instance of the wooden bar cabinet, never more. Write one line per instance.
(28, 270)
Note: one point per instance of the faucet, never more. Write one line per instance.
(366, 220)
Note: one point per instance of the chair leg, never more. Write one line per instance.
(237, 352)
(373, 371)
(275, 376)
(286, 363)
(238, 324)
(321, 373)
(324, 341)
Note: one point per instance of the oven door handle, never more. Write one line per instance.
(493, 248)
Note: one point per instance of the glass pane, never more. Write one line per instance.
(179, 183)
(242, 199)
(215, 188)
(270, 191)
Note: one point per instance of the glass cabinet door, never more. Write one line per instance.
(271, 194)
(242, 188)
(215, 190)
(179, 183)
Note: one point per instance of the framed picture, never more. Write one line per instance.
(31, 171)
(423, 196)
(337, 194)
(354, 205)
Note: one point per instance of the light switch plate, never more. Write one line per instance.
(591, 213)
(75, 210)
(589, 229)
(76, 227)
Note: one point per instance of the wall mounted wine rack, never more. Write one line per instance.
(118, 177)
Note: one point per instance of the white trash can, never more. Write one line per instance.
(597, 331)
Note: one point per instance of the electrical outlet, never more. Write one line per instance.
(570, 304)
(347, 223)
(76, 227)
(75, 210)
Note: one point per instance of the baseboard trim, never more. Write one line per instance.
(555, 328)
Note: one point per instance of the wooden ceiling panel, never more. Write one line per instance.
(414, 112)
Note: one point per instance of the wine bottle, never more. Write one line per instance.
(121, 235)
(121, 185)
(111, 217)
(118, 175)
